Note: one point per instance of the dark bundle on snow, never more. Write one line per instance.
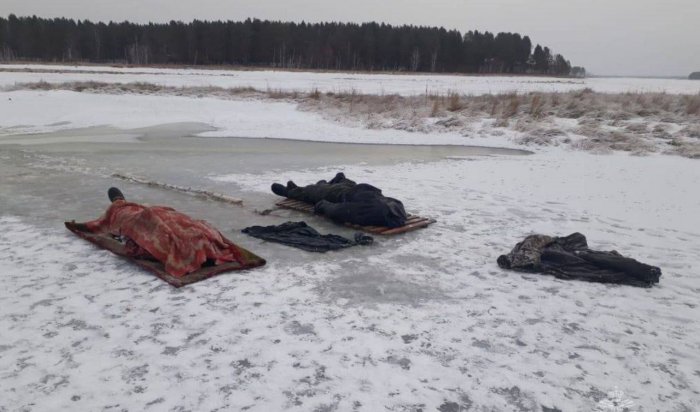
(302, 236)
(570, 258)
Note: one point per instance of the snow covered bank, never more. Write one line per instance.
(296, 109)
(585, 120)
(380, 83)
(23, 112)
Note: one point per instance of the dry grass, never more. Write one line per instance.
(315, 94)
(633, 122)
(512, 105)
(691, 150)
(494, 108)
(454, 102)
(692, 105)
(536, 106)
(279, 94)
(691, 131)
(641, 127)
(435, 111)
(533, 134)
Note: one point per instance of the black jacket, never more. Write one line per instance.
(302, 236)
(345, 201)
(570, 258)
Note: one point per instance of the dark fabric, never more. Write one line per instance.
(337, 190)
(303, 236)
(570, 258)
(345, 201)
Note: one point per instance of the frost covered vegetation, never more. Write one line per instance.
(640, 123)
(633, 122)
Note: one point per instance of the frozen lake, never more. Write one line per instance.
(66, 173)
(425, 321)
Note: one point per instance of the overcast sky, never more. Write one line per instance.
(608, 37)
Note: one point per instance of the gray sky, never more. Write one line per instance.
(623, 37)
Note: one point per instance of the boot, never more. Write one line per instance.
(115, 194)
(279, 190)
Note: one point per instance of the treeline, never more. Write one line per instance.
(337, 46)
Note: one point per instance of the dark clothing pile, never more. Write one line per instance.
(302, 236)
(570, 258)
(345, 201)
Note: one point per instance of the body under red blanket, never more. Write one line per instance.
(180, 243)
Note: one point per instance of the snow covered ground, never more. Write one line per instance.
(420, 322)
(404, 84)
(23, 112)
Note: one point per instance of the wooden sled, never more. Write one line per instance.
(116, 247)
(412, 223)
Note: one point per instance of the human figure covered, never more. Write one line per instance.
(181, 243)
(345, 201)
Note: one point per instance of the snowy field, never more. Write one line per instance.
(40, 112)
(640, 116)
(404, 84)
(425, 321)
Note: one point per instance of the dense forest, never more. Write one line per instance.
(336, 46)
